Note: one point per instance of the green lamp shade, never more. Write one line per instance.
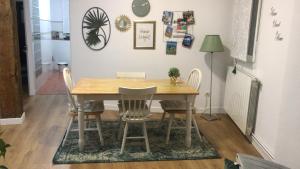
(212, 43)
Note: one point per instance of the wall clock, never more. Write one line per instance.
(140, 8)
(96, 28)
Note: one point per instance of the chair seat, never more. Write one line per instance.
(90, 107)
(174, 106)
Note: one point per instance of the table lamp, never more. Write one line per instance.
(211, 44)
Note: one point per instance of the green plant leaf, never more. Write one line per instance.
(3, 167)
(174, 72)
(3, 147)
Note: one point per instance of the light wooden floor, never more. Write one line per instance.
(35, 142)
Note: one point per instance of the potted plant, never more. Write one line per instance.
(174, 73)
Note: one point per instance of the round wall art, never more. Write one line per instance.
(96, 28)
(140, 8)
(123, 23)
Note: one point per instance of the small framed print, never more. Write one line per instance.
(171, 48)
(144, 35)
(167, 17)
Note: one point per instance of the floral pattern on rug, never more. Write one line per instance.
(135, 150)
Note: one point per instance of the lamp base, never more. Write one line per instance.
(209, 117)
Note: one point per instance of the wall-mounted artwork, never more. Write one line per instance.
(188, 40)
(140, 8)
(171, 48)
(144, 34)
(189, 17)
(177, 24)
(167, 17)
(123, 23)
(276, 24)
(96, 28)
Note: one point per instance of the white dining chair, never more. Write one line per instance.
(179, 107)
(90, 108)
(127, 75)
(131, 75)
(136, 111)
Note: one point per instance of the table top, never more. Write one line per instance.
(111, 86)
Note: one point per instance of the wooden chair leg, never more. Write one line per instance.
(146, 137)
(98, 122)
(68, 130)
(171, 118)
(120, 130)
(197, 129)
(87, 122)
(162, 119)
(124, 138)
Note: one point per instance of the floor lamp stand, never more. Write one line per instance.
(206, 116)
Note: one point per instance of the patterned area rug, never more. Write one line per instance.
(134, 149)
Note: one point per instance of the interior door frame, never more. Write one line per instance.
(30, 55)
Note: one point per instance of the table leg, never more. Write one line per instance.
(188, 138)
(81, 124)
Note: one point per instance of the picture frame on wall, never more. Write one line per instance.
(144, 35)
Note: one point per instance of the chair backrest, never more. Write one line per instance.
(131, 75)
(69, 86)
(136, 102)
(194, 80)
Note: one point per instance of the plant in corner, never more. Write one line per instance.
(3, 147)
(174, 73)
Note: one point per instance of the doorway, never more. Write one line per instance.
(22, 46)
(48, 44)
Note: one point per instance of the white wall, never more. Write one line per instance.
(212, 17)
(276, 67)
(45, 27)
(270, 67)
(288, 142)
(46, 45)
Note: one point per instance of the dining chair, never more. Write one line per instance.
(89, 107)
(179, 107)
(131, 75)
(138, 109)
(127, 75)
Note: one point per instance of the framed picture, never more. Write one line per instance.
(144, 35)
(171, 48)
(182, 23)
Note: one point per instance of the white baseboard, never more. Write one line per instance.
(12, 121)
(261, 148)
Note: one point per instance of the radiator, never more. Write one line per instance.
(241, 97)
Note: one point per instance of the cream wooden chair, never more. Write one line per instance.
(179, 107)
(131, 75)
(127, 75)
(90, 108)
(136, 111)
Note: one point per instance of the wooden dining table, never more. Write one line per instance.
(108, 89)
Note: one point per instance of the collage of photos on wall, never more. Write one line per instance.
(178, 27)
